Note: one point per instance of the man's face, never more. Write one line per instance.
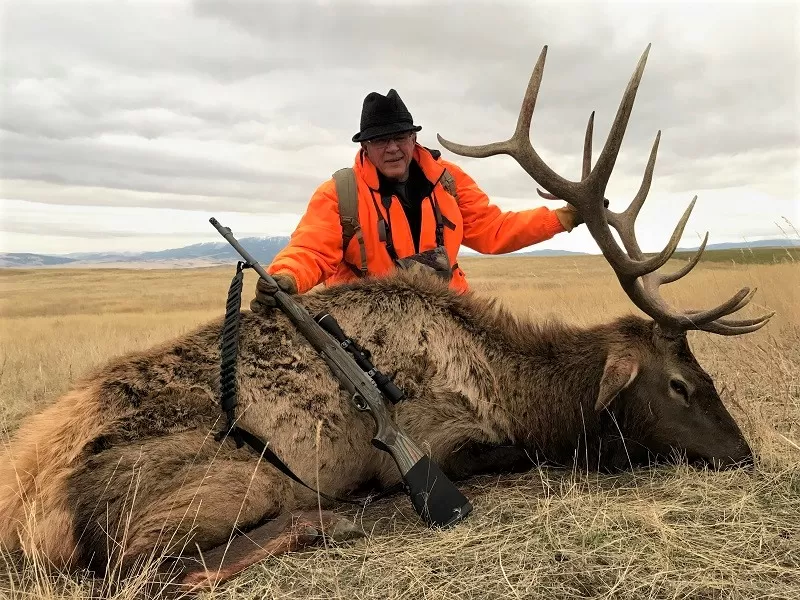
(391, 155)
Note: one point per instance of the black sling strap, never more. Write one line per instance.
(385, 225)
(229, 393)
(441, 221)
(229, 349)
(262, 449)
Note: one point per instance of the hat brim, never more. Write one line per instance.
(381, 130)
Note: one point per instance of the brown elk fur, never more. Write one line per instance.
(129, 454)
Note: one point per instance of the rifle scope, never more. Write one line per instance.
(362, 358)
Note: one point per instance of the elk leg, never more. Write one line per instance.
(478, 458)
(287, 533)
(171, 496)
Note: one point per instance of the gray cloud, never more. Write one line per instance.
(76, 230)
(201, 105)
(82, 162)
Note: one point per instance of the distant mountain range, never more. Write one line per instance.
(263, 249)
(774, 243)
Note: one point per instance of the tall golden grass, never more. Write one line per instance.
(669, 533)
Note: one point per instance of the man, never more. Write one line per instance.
(408, 216)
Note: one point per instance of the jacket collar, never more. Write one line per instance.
(425, 159)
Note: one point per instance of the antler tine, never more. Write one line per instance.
(587, 159)
(734, 303)
(625, 222)
(547, 195)
(723, 329)
(519, 145)
(743, 322)
(739, 300)
(646, 297)
(644, 294)
(587, 148)
(737, 322)
(683, 271)
(637, 268)
(608, 157)
(638, 201)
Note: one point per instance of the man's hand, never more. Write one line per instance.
(569, 216)
(264, 301)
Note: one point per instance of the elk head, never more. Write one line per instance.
(652, 378)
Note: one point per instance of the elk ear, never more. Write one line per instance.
(619, 373)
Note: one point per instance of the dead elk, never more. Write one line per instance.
(126, 466)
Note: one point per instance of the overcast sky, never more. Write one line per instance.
(126, 125)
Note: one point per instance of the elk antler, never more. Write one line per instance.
(587, 160)
(635, 272)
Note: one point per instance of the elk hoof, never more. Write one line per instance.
(344, 531)
(309, 532)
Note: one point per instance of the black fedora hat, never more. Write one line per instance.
(384, 115)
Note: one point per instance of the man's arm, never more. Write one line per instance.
(489, 230)
(314, 250)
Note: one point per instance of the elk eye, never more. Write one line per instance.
(679, 388)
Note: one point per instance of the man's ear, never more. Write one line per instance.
(620, 371)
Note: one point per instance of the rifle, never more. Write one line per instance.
(435, 498)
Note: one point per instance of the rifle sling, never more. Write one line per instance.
(262, 449)
(229, 394)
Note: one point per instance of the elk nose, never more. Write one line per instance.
(747, 460)
(741, 460)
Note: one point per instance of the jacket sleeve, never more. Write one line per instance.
(489, 230)
(314, 250)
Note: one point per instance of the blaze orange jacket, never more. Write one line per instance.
(314, 252)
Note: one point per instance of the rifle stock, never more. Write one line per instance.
(435, 498)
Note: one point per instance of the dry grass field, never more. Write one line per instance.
(675, 532)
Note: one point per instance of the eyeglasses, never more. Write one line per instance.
(381, 143)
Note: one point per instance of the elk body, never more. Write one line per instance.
(126, 465)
